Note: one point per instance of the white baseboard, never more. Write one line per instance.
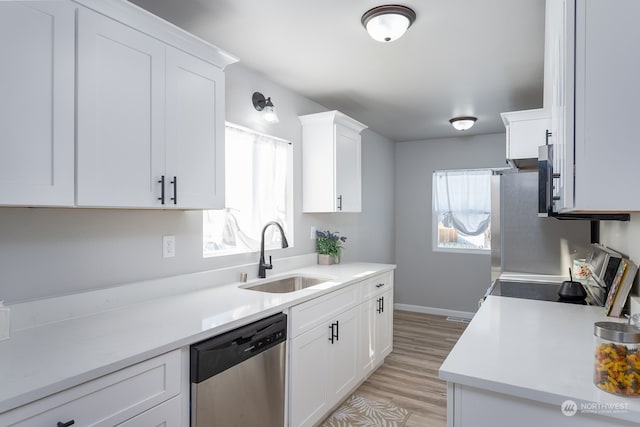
(434, 310)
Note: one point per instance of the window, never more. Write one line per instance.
(258, 189)
(462, 210)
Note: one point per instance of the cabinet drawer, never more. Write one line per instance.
(376, 285)
(105, 401)
(167, 414)
(312, 313)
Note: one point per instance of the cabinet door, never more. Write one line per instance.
(308, 392)
(606, 95)
(384, 326)
(167, 414)
(120, 147)
(367, 338)
(559, 44)
(37, 103)
(344, 371)
(195, 131)
(347, 169)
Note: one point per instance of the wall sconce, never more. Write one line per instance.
(463, 123)
(388, 23)
(265, 105)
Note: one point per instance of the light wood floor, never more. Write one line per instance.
(409, 376)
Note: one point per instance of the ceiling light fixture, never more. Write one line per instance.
(463, 123)
(265, 105)
(388, 23)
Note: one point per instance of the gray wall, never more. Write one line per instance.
(50, 252)
(624, 237)
(451, 281)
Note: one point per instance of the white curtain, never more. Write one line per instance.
(256, 169)
(463, 200)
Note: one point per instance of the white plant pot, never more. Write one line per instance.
(328, 259)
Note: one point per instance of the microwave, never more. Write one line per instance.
(603, 264)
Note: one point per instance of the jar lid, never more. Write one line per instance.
(618, 332)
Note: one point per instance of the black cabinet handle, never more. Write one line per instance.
(340, 202)
(334, 332)
(547, 135)
(67, 424)
(175, 190)
(382, 304)
(379, 285)
(161, 182)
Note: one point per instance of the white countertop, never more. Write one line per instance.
(41, 360)
(536, 350)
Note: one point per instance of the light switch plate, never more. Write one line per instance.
(168, 246)
(312, 234)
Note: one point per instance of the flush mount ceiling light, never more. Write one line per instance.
(463, 123)
(265, 105)
(388, 23)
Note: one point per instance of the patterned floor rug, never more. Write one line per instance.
(360, 412)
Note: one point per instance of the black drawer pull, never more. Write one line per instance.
(379, 285)
(67, 424)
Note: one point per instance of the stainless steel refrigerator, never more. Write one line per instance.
(522, 242)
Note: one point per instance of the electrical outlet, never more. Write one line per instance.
(168, 246)
(312, 234)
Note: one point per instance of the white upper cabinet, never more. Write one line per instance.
(121, 115)
(592, 88)
(105, 105)
(195, 130)
(37, 103)
(331, 163)
(525, 132)
(150, 121)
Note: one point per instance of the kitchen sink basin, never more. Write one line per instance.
(287, 284)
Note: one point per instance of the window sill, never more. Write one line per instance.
(463, 251)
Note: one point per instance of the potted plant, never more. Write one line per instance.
(329, 247)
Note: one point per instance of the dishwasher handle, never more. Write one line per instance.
(222, 352)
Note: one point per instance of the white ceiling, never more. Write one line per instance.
(460, 57)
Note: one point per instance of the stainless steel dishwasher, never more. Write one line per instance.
(237, 378)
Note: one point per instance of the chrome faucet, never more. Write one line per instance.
(263, 267)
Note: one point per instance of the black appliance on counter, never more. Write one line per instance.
(542, 291)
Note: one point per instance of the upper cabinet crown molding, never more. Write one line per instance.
(332, 117)
(154, 26)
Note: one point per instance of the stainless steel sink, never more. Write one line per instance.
(287, 284)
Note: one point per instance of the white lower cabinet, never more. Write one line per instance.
(324, 367)
(375, 340)
(138, 392)
(471, 407)
(336, 342)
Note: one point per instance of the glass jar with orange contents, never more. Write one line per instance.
(617, 358)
